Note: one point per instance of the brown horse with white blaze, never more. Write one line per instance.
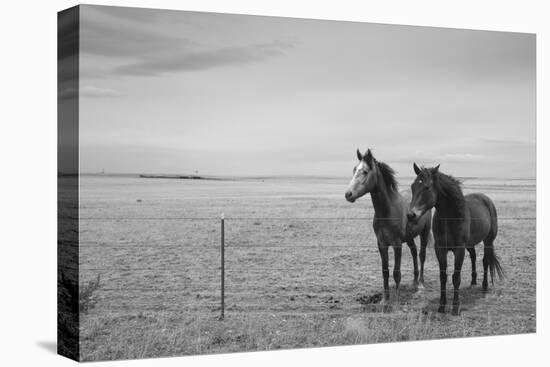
(390, 222)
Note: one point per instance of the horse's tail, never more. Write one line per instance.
(489, 251)
(494, 263)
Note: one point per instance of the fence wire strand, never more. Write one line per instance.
(240, 281)
(257, 218)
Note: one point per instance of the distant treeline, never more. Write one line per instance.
(182, 177)
(185, 177)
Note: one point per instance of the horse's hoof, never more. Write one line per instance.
(485, 285)
(441, 309)
(421, 286)
(384, 304)
(456, 311)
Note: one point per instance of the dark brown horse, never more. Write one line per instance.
(390, 222)
(460, 222)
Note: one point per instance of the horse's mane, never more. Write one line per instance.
(389, 175)
(450, 188)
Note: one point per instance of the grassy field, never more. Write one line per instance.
(302, 269)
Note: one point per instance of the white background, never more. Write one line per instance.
(29, 173)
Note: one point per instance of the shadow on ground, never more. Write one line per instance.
(469, 298)
(410, 297)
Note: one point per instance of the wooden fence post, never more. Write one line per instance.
(222, 250)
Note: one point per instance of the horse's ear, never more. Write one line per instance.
(416, 169)
(369, 158)
(436, 169)
(359, 155)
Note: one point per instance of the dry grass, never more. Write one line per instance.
(290, 282)
(168, 334)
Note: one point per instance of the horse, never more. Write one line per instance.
(390, 222)
(460, 222)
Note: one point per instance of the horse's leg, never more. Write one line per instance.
(397, 266)
(441, 254)
(424, 236)
(487, 252)
(459, 260)
(472, 252)
(412, 247)
(385, 270)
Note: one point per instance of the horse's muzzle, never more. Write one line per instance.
(413, 214)
(349, 196)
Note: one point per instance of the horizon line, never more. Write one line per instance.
(276, 176)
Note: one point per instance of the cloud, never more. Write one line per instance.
(95, 92)
(188, 61)
(104, 35)
(144, 15)
(150, 16)
(463, 157)
(509, 142)
(436, 157)
(140, 48)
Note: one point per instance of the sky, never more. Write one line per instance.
(236, 95)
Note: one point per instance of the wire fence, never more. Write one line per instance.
(213, 270)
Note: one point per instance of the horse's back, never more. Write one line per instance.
(483, 218)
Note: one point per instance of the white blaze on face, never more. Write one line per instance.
(358, 185)
(358, 170)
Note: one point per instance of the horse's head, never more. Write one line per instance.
(365, 177)
(424, 193)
